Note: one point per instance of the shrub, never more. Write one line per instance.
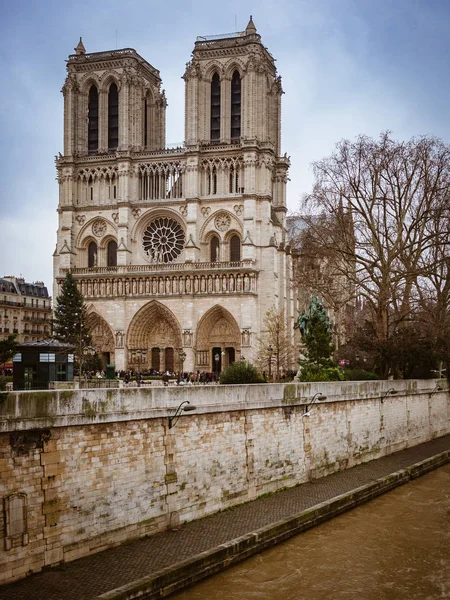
(359, 375)
(313, 372)
(240, 371)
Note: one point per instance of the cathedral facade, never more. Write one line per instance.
(179, 252)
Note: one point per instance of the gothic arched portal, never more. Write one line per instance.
(218, 340)
(102, 337)
(154, 339)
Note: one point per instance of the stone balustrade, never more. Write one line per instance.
(118, 281)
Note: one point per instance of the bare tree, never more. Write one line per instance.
(371, 203)
(276, 352)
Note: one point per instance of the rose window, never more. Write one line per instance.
(163, 240)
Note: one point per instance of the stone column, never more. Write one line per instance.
(162, 359)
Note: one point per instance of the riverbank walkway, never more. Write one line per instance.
(172, 559)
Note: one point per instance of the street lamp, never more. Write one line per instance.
(270, 350)
(316, 398)
(182, 408)
(391, 391)
(216, 359)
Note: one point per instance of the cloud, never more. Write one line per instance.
(348, 67)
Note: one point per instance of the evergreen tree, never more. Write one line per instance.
(69, 323)
(7, 349)
(318, 341)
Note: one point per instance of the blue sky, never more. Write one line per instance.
(348, 67)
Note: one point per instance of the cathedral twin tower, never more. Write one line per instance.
(179, 253)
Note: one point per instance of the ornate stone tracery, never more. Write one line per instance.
(101, 333)
(163, 240)
(154, 325)
(222, 221)
(99, 227)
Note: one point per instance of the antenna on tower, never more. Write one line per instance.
(116, 39)
(235, 22)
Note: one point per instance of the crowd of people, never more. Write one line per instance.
(175, 377)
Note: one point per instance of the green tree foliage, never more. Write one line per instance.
(318, 364)
(240, 371)
(69, 323)
(7, 349)
(318, 342)
(315, 372)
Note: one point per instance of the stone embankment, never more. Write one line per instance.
(87, 470)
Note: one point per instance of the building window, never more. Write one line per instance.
(113, 117)
(92, 254)
(93, 121)
(214, 249)
(215, 107)
(163, 240)
(112, 254)
(235, 249)
(145, 122)
(235, 106)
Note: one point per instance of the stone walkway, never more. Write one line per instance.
(87, 578)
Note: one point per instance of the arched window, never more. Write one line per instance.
(214, 249)
(236, 106)
(92, 255)
(113, 117)
(93, 121)
(215, 107)
(235, 249)
(112, 254)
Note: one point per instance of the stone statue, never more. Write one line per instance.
(315, 308)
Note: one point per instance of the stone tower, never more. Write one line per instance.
(178, 252)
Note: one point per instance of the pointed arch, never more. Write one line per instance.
(92, 254)
(102, 336)
(214, 248)
(154, 326)
(215, 107)
(235, 248)
(234, 64)
(85, 233)
(217, 327)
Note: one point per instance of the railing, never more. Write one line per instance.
(123, 52)
(220, 36)
(9, 303)
(160, 268)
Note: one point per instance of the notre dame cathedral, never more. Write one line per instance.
(179, 252)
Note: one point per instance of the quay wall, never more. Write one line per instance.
(84, 470)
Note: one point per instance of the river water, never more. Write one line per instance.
(396, 547)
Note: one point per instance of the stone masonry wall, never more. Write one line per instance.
(82, 471)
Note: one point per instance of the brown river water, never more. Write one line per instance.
(396, 547)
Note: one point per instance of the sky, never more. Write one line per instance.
(348, 67)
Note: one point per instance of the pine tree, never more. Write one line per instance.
(69, 322)
(318, 341)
